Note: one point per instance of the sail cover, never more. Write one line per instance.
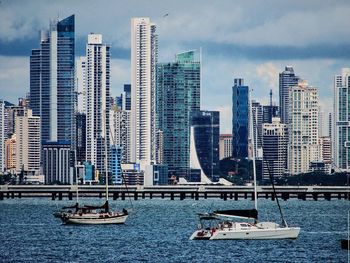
(250, 213)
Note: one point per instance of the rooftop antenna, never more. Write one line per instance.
(270, 97)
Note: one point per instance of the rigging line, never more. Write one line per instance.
(272, 182)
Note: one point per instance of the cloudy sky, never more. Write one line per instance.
(250, 39)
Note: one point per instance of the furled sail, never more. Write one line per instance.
(249, 213)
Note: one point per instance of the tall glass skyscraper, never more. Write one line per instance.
(52, 94)
(205, 131)
(178, 94)
(240, 119)
(287, 79)
(341, 128)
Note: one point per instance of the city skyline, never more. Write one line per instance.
(234, 44)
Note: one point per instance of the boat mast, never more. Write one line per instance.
(251, 131)
(106, 163)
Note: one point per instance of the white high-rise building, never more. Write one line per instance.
(120, 131)
(81, 83)
(303, 145)
(341, 121)
(2, 136)
(144, 53)
(97, 100)
(28, 142)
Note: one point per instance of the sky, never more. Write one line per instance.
(249, 39)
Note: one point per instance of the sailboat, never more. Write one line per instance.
(223, 224)
(97, 215)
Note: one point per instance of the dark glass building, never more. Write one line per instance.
(52, 68)
(81, 137)
(240, 119)
(205, 126)
(178, 94)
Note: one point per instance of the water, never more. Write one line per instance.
(158, 231)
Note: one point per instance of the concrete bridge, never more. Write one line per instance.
(173, 192)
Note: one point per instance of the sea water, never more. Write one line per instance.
(158, 230)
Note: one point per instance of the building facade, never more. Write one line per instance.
(240, 119)
(56, 162)
(257, 111)
(303, 145)
(10, 154)
(205, 132)
(144, 54)
(275, 139)
(121, 132)
(52, 77)
(178, 95)
(225, 146)
(28, 143)
(97, 101)
(287, 79)
(80, 138)
(341, 122)
(115, 164)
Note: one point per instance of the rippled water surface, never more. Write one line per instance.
(158, 231)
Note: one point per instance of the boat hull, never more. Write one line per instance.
(252, 234)
(97, 219)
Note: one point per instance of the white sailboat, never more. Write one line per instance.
(224, 224)
(97, 215)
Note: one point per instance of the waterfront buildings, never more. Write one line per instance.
(178, 95)
(275, 139)
(342, 120)
(287, 79)
(144, 53)
(97, 101)
(52, 76)
(303, 144)
(10, 113)
(56, 159)
(204, 151)
(225, 146)
(240, 119)
(28, 142)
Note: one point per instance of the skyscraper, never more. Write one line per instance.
(144, 53)
(178, 94)
(52, 68)
(97, 101)
(205, 132)
(240, 119)
(287, 79)
(341, 120)
(28, 143)
(257, 112)
(275, 139)
(303, 143)
(120, 132)
(80, 140)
